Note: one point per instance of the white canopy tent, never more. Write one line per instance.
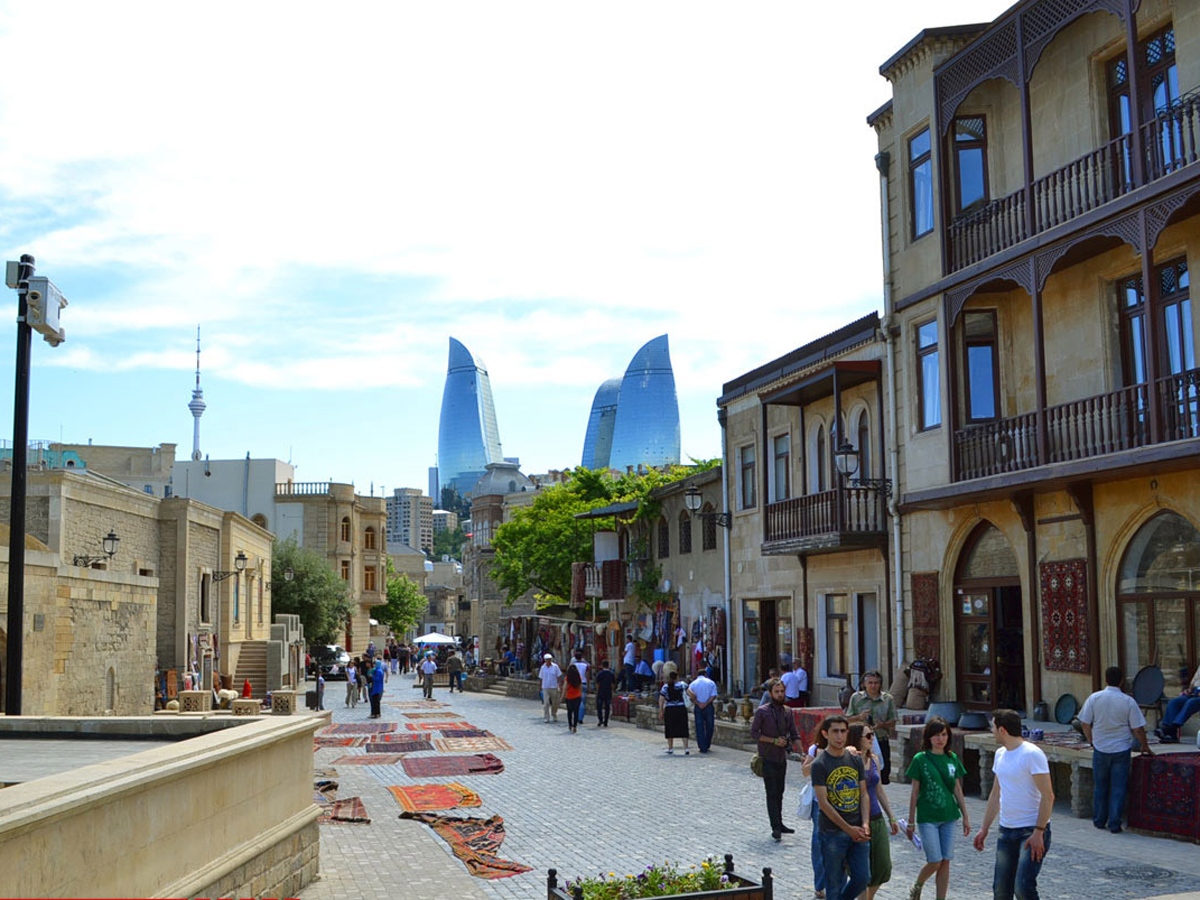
(435, 637)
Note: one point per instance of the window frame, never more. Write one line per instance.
(344, 569)
(994, 343)
(344, 533)
(369, 538)
(747, 481)
(369, 580)
(959, 146)
(914, 164)
(685, 532)
(776, 459)
(844, 637)
(664, 537)
(933, 349)
(708, 528)
(819, 476)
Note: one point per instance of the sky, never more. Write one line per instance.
(331, 195)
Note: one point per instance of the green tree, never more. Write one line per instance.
(449, 543)
(316, 593)
(406, 602)
(455, 502)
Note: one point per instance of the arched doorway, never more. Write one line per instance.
(1158, 600)
(988, 623)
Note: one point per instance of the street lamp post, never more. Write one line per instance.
(37, 307)
(693, 501)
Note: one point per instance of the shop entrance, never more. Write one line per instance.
(761, 643)
(988, 624)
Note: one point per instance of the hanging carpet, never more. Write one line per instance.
(475, 841)
(433, 797)
(470, 744)
(359, 728)
(448, 766)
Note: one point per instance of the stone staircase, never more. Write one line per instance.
(252, 664)
(499, 687)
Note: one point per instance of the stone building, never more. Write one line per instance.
(449, 611)
(444, 520)
(410, 519)
(808, 566)
(351, 531)
(146, 469)
(1041, 205)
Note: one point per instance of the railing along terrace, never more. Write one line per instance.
(1170, 142)
(862, 511)
(997, 447)
(1106, 423)
(302, 489)
(1179, 402)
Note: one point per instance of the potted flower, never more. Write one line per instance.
(709, 880)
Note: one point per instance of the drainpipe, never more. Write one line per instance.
(881, 163)
(721, 416)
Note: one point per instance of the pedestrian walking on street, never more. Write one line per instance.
(628, 661)
(1112, 721)
(351, 685)
(428, 667)
(672, 712)
(839, 781)
(581, 664)
(818, 860)
(377, 678)
(1023, 795)
(883, 823)
(573, 694)
(795, 683)
(936, 804)
(774, 731)
(320, 691)
(551, 676)
(703, 691)
(872, 706)
(604, 692)
(454, 665)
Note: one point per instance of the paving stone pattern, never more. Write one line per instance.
(609, 800)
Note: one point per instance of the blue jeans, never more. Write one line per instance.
(818, 860)
(1016, 873)
(838, 849)
(1110, 777)
(582, 702)
(1179, 710)
(705, 724)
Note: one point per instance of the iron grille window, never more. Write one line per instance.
(664, 539)
(709, 528)
(685, 533)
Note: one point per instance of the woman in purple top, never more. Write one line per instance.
(882, 820)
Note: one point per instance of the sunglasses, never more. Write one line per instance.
(868, 734)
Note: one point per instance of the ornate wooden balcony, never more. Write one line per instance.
(1094, 426)
(1170, 143)
(841, 519)
(611, 579)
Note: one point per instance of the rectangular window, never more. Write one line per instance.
(837, 635)
(780, 481)
(709, 529)
(205, 598)
(685, 533)
(929, 388)
(746, 462)
(369, 539)
(982, 366)
(664, 539)
(970, 163)
(345, 570)
(237, 598)
(369, 578)
(1158, 81)
(920, 184)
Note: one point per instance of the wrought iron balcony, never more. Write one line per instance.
(830, 520)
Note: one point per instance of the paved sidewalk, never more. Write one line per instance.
(609, 800)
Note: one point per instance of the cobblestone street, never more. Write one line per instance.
(610, 800)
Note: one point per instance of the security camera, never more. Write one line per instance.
(44, 303)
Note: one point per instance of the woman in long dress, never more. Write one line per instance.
(672, 712)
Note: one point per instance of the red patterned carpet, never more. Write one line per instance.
(1164, 794)
(413, 746)
(434, 797)
(475, 841)
(348, 811)
(360, 728)
(449, 766)
(369, 759)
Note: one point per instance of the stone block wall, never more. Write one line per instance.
(281, 871)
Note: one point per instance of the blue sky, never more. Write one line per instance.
(331, 196)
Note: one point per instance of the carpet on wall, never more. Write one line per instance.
(475, 841)
(448, 766)
(434, 797)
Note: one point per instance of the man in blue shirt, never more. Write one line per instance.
(643, 673)
(377, 677)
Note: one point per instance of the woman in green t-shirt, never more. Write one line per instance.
(937, 803)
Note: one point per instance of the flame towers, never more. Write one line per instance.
(468, 438)
(635, 419)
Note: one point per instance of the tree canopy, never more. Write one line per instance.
(535, 549)
(449, 543)
(406, 602)
(316, 593)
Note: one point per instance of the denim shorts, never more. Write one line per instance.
(937, 839)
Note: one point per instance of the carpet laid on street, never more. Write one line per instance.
(444, 766)
(470, 744)
(369, 759)
(475, 841)
(434, 797)
(466, 732)
(359, 728)
(436, 726)
(416, 745)
(319, 742)
(348, 811)
(440, 716)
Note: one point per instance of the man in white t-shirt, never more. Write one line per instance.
(551, 676)
(703, 691)
(1023, 796)
(629, 661)
(1112, 721)
(428, 667)
(795, 685)
(581, 664)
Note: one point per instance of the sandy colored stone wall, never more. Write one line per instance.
(225, 814)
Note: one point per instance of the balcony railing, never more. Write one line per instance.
(840, 511)
(1171, 141)
(1094, 426)
(302, 489)
(611, 579)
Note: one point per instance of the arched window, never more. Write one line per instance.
(345, 536)
(863, 439)
(709, 528)
(369, 539)
(259, 519)
(685, 532)
(1158, 596)
(818, 480)
(664, 539)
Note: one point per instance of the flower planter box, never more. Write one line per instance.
(739, 888)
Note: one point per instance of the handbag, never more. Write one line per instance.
(756, 765)
(804, 810)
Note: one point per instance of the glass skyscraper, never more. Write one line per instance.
(635, 419)
(468, 438)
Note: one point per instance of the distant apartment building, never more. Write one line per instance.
(146, 469)
(410, 519)
(444, 520)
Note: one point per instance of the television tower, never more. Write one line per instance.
(197, 406)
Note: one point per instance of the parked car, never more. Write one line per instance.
(330, 659)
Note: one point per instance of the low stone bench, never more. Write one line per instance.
(247, 707)
(283, 703)
(195, 701)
